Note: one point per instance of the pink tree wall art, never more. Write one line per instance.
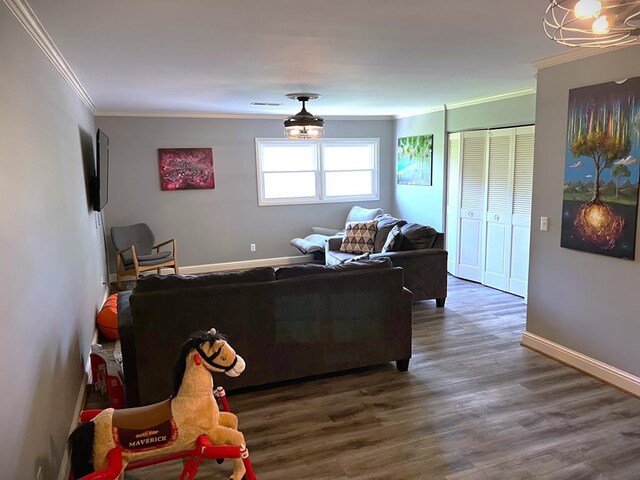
(186, 168)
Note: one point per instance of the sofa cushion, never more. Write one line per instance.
(153, 283)
(359, 237)
(334, 257)
(359, 214)
(417, 237)
(314, 268)
(385, 223)
(393, 241)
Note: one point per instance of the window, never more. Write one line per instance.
(316, 171)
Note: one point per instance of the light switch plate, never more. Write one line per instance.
(544, 224)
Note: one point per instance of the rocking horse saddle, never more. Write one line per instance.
(144, 428)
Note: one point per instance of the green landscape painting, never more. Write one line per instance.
(415, 157)
(600, 197)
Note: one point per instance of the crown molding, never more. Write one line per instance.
(576, 53)
(439, 108)
(28, 19)
(491, 98)
(239, 116)
(475, 101)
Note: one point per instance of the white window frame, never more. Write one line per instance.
(320, 196)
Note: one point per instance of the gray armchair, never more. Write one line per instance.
(136, 252)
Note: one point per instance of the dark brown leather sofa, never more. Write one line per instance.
(420, 253)
(287, 323)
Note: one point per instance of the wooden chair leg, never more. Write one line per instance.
(119, 281)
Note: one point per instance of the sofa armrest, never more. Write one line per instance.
(128, 346)
(425, 272)
(407, 302)
(333, 244)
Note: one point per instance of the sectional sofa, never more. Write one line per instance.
(287, 323)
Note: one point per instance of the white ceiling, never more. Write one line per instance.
(365, 57)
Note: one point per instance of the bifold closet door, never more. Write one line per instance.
(521, 219)
(471, 213)
(454, 170)
(490, 177)
(498, 213)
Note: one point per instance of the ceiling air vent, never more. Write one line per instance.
(265, 104)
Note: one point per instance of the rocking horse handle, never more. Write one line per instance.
(222, 395)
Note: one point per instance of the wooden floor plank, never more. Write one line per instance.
(474, 405)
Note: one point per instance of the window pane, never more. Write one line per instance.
(348, 157)
(289, 185)
(340, 184)
(283, 158)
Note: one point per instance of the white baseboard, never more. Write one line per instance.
(226, 266)
(65, 464)
(600, 370)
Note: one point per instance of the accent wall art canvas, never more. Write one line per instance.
(186, 168)
(600, 197)
(415, 158)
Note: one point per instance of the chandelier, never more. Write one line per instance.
(593, 23)
(303, 124)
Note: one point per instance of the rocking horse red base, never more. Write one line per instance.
(189, 425)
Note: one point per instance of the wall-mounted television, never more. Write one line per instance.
(100, 193)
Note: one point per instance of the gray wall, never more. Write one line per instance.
(426, 204)
(510, 112)
(51, 253)
(218, 225)
(583, 301)
(418, 203)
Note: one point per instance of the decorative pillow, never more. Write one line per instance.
(385, 223)
(393, 240)
(417, 237)
(108, 318)
(359, 237)
(359, 214)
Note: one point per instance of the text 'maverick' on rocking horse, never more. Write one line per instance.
(188, 425)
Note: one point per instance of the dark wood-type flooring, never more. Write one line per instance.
(473, 405)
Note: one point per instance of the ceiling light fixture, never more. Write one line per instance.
(303, 125)
(593, 23)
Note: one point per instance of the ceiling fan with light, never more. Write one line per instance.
(593, 23)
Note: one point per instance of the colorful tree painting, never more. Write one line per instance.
(415, 158)
(603, 145)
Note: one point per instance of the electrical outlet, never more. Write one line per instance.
(253, 247)
(39, 475)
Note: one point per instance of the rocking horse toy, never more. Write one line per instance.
(188, 425)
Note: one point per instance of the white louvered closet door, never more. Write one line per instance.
(453, 201)
(498, 213)
(490, 177)
(521, 219)
(472, 198)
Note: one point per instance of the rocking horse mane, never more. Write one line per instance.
(195, 339)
